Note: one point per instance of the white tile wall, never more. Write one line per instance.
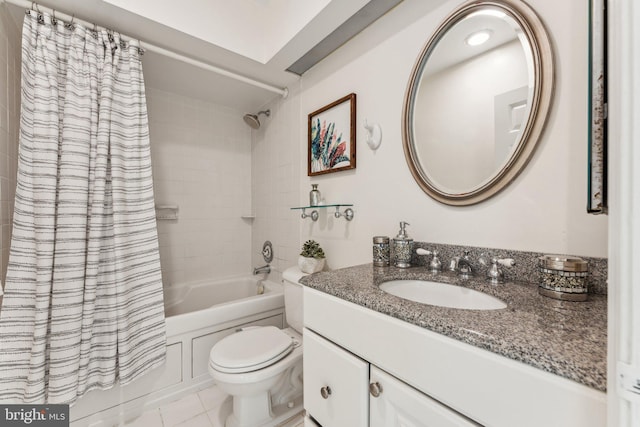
(276, 182)
(201, 154)
(9, 125)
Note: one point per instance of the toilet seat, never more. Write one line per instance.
(250, 350)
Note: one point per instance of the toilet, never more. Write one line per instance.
(261, 366)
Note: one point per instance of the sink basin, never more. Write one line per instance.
(442, 294)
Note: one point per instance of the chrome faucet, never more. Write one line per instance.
(462, 265)
(264, 269)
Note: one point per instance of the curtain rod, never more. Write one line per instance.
(153, 48)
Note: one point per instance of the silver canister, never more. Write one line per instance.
(402, 252)
(314, 195)
(381, 251)
(402, 247)
(563, 277)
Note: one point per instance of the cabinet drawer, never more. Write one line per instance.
(335, 384)
(399, 404)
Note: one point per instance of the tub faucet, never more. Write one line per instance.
(264, 269)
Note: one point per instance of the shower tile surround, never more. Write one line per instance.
(276, 184)
(201, 157)
(565, 338)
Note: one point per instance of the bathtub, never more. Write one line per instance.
(188, 298)
(197, 316)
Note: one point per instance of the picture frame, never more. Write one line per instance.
(597, 134)
(332, 137)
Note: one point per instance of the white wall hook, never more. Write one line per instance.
(374, 135)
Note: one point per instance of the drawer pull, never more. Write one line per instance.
(325, 392)
(375, 389)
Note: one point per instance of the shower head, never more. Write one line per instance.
(252, 119)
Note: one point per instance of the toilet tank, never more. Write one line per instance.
(293, 297)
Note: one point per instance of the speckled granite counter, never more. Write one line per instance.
(568, 339)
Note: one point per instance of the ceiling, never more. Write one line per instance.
(258, 39)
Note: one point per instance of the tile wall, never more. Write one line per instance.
(9, 124)
(276, 170)
(201, 154)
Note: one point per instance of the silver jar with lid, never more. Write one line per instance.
(314, 195)
(381, 251)
(563, 277)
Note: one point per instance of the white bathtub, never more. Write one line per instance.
(197, 316)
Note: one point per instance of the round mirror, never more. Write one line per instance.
(477, 100)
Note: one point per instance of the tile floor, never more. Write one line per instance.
(200, 409)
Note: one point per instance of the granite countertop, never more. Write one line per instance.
(565, 338)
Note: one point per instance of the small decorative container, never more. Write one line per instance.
(402, 247)
(314, 195)
(381, 251)
(563, 277)
(310, 265)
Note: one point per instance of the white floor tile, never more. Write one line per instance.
(218, 415)
(211, 397)
(150, 418)
(201, 420)
(207, 408)
(181, 410)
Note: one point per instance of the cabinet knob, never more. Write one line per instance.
(375, 389)
(325, 392)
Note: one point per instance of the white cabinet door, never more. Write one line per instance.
(400, 405)
(335, 384)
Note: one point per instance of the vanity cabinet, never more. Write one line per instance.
(427, 379)
(396, 404)
(335, 383)
(341, 389)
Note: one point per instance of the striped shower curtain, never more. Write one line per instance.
(83, 306)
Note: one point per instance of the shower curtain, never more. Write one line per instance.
(83, 305)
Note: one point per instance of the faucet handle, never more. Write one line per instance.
(435, 265)
(507, 262)
(495, 273)
(421, 251)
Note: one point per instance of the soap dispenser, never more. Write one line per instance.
(402, 247)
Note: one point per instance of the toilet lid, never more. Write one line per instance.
(250, 350)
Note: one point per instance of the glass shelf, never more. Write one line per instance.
(347, 213)
(336, 205)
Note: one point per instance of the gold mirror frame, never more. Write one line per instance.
(542, 55)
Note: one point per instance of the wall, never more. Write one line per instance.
(201, 155)
(542, 210)
(9, 127)
(276, 151)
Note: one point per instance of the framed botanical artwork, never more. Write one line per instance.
(597, 181)
(332, 137)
